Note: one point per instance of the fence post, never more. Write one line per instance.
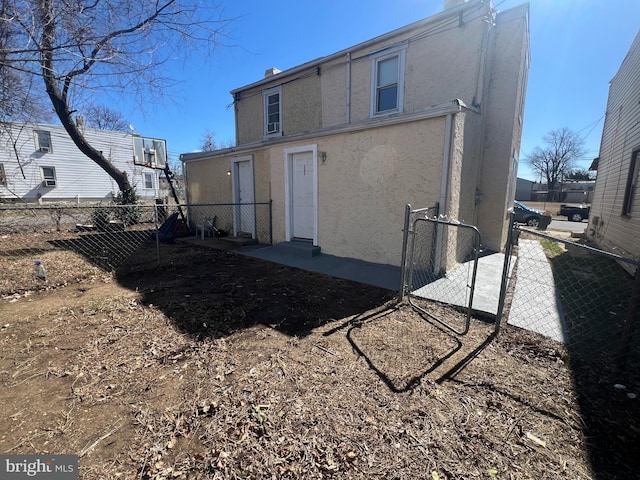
(405, 241)
(155, 221)
(270, 222)
(505, 272)
(630, 319)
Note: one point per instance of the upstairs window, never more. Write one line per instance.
(148, 181)
(632, 182)
(387, 81)
(272, 111)
(43, 141)
(48, 176)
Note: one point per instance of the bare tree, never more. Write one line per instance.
(554, 160)
(19, 101)
(105, 118)
(81, 49)
(208, 141)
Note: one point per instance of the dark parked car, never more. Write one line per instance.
(575, 213)
(530, 216)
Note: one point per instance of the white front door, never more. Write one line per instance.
(245, 214)
(302, 196)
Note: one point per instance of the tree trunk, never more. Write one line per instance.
(60, 103)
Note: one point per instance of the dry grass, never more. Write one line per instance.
(246, 370)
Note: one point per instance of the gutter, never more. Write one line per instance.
(448, 108)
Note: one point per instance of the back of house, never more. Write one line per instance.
(429, 115)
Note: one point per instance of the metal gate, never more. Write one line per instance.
(440, 269)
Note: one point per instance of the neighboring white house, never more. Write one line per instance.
(41, 163)
(614, 222)
(428, 114)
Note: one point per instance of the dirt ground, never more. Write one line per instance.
(212, 365)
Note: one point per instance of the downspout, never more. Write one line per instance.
(444, 184)
(348, 113)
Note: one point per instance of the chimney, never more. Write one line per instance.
(453, 3)
(271, 72)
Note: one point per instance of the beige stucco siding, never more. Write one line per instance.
(334, 92)
(503, 127)
(249, 117)
(364, 184)
(302, 104)
(439, 67)
(470, 126)
(301, 101)
(443, 67)
(208, 181)
(433, 66)
(368, 179)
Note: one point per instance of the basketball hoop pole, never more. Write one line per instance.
(169, 175)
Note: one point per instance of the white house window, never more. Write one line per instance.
(43, 141)
(632, 183)
(387, 81)
(3, 176)
(148, 181)
(48, 176)
(272, 111)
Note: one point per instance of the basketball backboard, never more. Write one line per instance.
(150, 152)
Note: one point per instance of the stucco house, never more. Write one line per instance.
(428, 114)
(41, 163)
(614, 222)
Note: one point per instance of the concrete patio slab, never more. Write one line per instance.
(376, 274)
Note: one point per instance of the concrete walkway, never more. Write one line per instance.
(376, 274)
(536, 304)
(454, 288)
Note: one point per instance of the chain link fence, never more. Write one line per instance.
(558, 288)
(80, 242)
(574, 294)
(442, 266)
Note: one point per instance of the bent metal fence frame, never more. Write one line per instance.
(440, 263)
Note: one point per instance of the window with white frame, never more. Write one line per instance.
(43, 141)
(632, 183)
(48, 176)
(148, 180)
(387, 81)
(3, 176)
(272, 111)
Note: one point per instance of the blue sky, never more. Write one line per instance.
(576, 48)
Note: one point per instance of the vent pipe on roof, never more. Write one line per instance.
(270, 72)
